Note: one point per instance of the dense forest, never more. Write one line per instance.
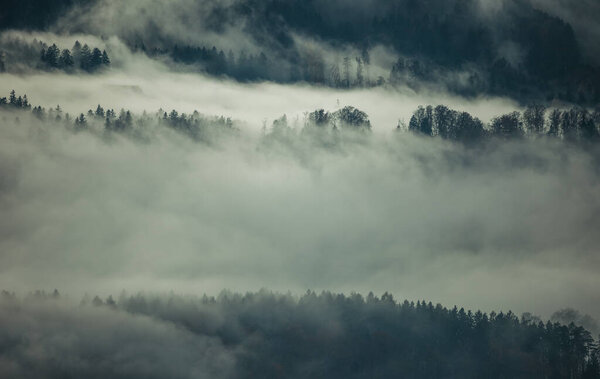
(520, 51)
(81, 57)
(330, 335)
(38, 55)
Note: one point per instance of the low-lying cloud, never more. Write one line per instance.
(54, 339)
(506, 225)
(140, 84)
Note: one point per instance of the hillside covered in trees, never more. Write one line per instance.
(19, 55)
(322, 335)
(518, 49)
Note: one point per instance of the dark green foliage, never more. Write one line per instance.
(95, 58)
(507, 126)
(446, 123)
(319, 117)
(66, 61)
(554, 123)
(575, 125)
(85, 56)
(247, 67)
(16, 102)
(534, 119)
(80, 122)
(50, 57)
(99, 112)
(572, 125)
(196, 126)
(117, 124)
(105, 58)
(422, 121)
(77, 50)
(467, 128)
(35, 14)
(435, 39)
(350, 117)
(337, 336)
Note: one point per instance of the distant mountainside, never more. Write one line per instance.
(514, 49)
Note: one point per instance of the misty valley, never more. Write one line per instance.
(299, 189)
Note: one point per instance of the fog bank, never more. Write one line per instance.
(507, 225)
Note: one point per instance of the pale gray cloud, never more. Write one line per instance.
(55, 339)
(506, 226)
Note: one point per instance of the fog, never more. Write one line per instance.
(53, 339)
(504, 226)
(212, 226)
(142, 84)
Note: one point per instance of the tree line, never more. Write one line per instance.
(14, 101)
(16, 54)
(196, 126)
(331, 335)
(308, 66)
(81, 57)
(576, 124)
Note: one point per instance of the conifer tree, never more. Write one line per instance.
(66, 61)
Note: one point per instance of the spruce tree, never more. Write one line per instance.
(95, 59)
(105, 59)
(66, 61)
(85, 58)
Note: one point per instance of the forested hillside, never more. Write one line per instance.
(516, 50)
(326, 335)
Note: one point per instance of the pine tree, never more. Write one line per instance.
(95, 59)
(80, 122)
(76, 51)
(51, 56)
(85, 58)
(105, 59)
(66, 61)
(12, 99)
(99, 112)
